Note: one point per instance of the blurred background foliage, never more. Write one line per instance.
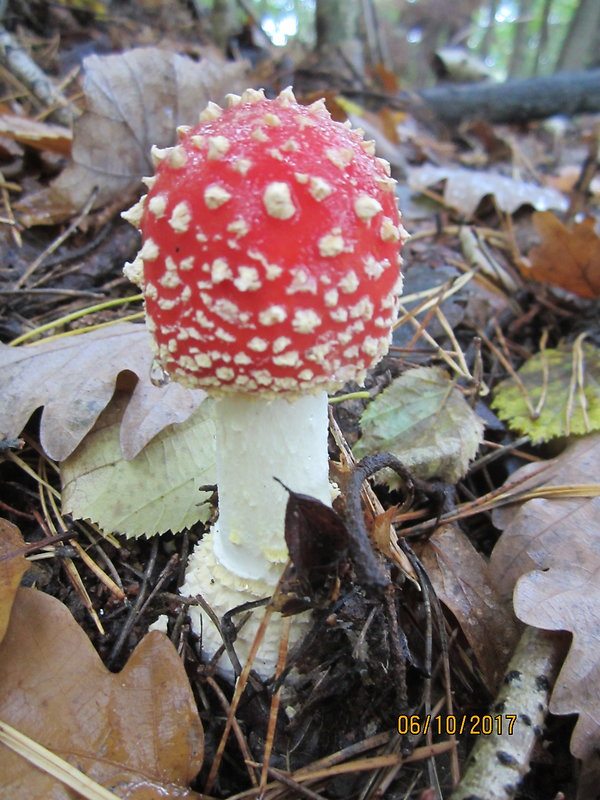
(512, 38)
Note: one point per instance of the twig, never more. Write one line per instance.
(4, 186)
(300, 790)
(235, 701)
(52, 292)
(237, 730)
(57, 242)
(371, 500)
(79, 252)
(20, 63)
(166, 573)
(378, 49)
(500, 760)
(369, 570)
(254, 20)
(333, 768)
(431, 603)
(31, 548)
(499, 452)
(581, 190)
(275, 703)
(72, 316)
(135, 610)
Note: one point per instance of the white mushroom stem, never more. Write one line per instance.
(243, 557)
(258, 441)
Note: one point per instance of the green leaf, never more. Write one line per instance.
(156, 491)
(558, 395)
(424, 420)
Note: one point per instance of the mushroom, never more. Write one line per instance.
(270, 269)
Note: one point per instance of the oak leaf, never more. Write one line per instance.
(136, 733)
(134, 100)
(567, 258)
(12, 568)
(550, 550)
(74, 377)
(158, 490)
(465, 188)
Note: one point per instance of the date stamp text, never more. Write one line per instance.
(451, 724)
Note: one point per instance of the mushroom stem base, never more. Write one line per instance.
(223, 591)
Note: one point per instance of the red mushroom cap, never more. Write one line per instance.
(270, 257)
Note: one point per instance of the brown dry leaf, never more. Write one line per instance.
(41, 135)
(12, 568)
(460, 577)
(552, 548)
(465, 188)
(135, 99)
(389, 81)
(74, 377)
(568, 258)
(137, 732)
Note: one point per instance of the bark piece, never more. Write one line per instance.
(522, 100)
(500, 760)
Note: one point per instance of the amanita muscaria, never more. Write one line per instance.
(270, 269)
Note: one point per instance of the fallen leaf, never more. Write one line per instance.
(317, 541)
(568, 600)
(567, 258)
(41, 135)
(424, 420)
(12, 569)
(588, 778)
(136, 733)
(460, 576)
(157, 490)
(465, 188)
(550, 548)
(134, 100)
(558, 395)
(456, 64)
(74, 377)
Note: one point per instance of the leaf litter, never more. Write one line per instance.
(158, 488)
(549, 554)
(137, 731)
(566, 257)
(424, 419)
(134, 100)
(73, 378)
(464, 189)
(555, 393)
(461, 579)
(459, 573)
(12, 569)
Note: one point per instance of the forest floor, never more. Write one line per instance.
(494, 356)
